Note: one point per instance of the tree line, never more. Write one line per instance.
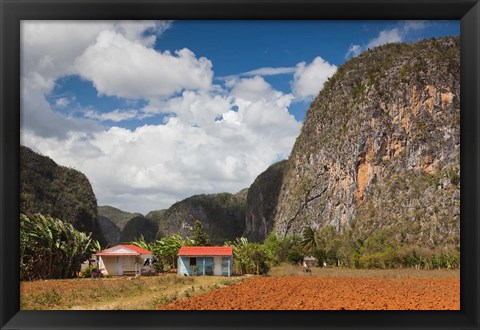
(379, 250)
(51, 248)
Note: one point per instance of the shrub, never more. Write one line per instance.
(281, 249)
(87, 272)
(321, 256)
(251, 258)
(295, 255)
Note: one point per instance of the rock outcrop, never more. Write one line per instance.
(380, 147)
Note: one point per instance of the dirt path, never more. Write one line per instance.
(318, 293)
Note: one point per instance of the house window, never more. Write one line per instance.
(193, 261)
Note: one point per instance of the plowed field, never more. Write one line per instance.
(320, 293)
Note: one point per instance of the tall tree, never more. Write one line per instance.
(199, 235)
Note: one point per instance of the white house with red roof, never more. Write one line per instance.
(205, 260)
(124, 259)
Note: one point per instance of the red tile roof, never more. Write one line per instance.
(205, 251)
(135, 250)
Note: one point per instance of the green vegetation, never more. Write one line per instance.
(379, 250)
(165, 250)
(199, 235)
(90, 272)
(287, 249)
(309, 240)
(50, 248)
(251, 258)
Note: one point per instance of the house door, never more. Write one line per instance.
(217, 270)
(117, 267)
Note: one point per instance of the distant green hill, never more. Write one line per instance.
(157, 216)
(107, 232)
(120, 226)
(63, 193)
(117, 216)
(137, 227)
(222, 215)
(261, 202)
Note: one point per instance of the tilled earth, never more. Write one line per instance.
(319, 293)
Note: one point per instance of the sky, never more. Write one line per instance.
(153, 112)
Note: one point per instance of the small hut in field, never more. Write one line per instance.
(124, 259)
(205, 260)
(310, 262)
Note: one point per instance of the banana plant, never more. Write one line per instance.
(50, 248)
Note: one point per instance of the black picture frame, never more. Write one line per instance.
(13, 11)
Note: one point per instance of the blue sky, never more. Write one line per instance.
(154, 111)
(240, 46)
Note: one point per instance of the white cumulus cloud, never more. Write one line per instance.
(48, 52)
(62, 102)
(49, 48)
(124, 68)
(252, 89)
(308, 79)
(215, 138)
(192, 107)
(153, 166)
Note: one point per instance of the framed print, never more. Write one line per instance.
(239, 164)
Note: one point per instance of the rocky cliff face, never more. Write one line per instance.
(262, 201)
(222, 216)
(61, 192)
(380, 147)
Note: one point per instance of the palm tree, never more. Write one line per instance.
(309, 240)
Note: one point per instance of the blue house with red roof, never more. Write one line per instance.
(205, 260)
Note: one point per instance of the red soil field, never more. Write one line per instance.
(334, 293)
